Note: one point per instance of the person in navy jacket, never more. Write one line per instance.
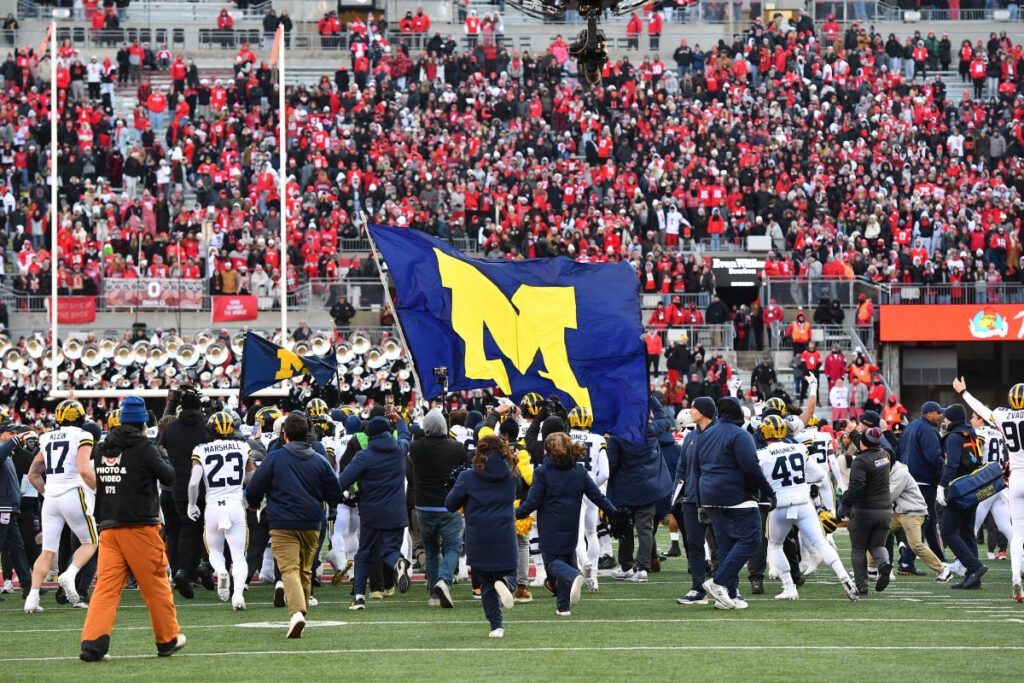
(703, 415)
(729, 484)
(557, 495)
(920, 450)
(380, 469)
(638, 478)
(486, 492)
(958, 523)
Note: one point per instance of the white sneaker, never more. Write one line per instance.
(8, 587)
(638, 577)
(238, 601)
(991, 555)
(740, 602)
(945, 575)
(82, 604)
(505, 595)
(313, 602)
(497, 633)
(538, 579)
(223, 585)
(566, 613)
(70, 592)
(957, 568)
(266, 577)
(788, 594)
(295, 626)
(622, 574)
(720, 594)
(850, 587)
(32, 605)
(575, 590)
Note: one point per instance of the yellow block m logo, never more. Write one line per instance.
(535, 320)
(291, 364)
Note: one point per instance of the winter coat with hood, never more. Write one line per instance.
(296, 481)
(179, 439)
(920, 450)
(905, 493)
(557, 495)
(128, 467)
(637, 474)
(432, 459)
(961, 458)
(380, 471)
(487, 495)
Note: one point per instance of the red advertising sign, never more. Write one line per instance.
(154, 293)
(74, 310)
(947, 323)
(230, 307)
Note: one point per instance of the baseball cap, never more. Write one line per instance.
(870, 419)
(931, 407)
(8, 425)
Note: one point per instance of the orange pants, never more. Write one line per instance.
(140, 551)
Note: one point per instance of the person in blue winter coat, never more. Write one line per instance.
(729, 485)
(703, 415)
(486, 492)
(380, 469)
(962, 458)
(638, 479)
(557, 495)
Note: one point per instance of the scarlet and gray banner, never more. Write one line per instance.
(154, 293)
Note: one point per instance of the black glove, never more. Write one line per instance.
(543, 413)
(620, 523)
(842, 512)
(702, 516)
(772, 502)
(814, 490)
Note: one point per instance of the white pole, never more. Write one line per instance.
(394, 311)
(53, 201)
(282, 112)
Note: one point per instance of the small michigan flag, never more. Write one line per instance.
(551, 326)
(264, 364)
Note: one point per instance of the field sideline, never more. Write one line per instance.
(623, 632)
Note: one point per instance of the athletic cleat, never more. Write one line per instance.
(358, 603)
(184, 586)
(205, 574)
(295, 626)
(788, 594)
(60, 596)
(607, 562)
(69, 590)
(757, 586)
(523, 594)
(591, 581)
(279, 594)
(238, 601)
(444, 594)
(497, 633)
(402, 574)
(32, 605)
(1018, 592)
(223, 585)
(905, 570)
(849, 587)
(505, 595)
(720, 595)
(694, 597)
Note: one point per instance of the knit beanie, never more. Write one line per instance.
(133, 411)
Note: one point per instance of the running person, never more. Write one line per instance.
(595, 461)
(993, 449)
(1010, 423)
(224, 464)
(791, 473)
(69, 494)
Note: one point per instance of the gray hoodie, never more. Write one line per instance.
(906, 496)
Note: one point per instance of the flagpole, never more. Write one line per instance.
(282, 113)
(53, 203)
(398, 323)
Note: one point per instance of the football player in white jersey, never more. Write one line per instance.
(69, 494)
(588, 547)
(529, 408)
(993, 447)
(225, 464)
(267, 417)
(1010, 423)
(791, 473)
(345, 530)
(820, 448)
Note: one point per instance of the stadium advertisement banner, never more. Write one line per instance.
(948, 323)
(74, 310)
(230, 308)
(154, 293)
(737, 272)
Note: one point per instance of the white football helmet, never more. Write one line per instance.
(795, 425)
(684, 420)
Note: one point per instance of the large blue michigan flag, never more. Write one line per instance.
(264, 364)
(549, 326)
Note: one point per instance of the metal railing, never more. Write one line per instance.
(810, 292)
(846, 337)
(156, 12)
(980, 292)
(362, 293)
(711, 337)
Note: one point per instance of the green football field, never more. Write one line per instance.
(916, 630)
